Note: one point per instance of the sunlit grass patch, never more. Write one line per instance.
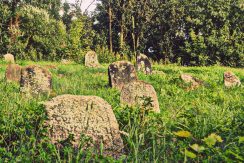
(207, 114)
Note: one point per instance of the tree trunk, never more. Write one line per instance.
(122, 25)
(110, 28)
(137, 39)
(133, 35)
(121, 35)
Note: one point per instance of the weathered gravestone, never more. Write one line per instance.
(65, 61)
(91, 60)
(35, 81)
(139, 93)
(195, 83)
(157, 72)
(88, 115)
(143, 64)
(9, 58)
(13, 73)
(231, 80)
(120, 73)
(50, 67)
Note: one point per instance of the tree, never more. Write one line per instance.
(35, 38)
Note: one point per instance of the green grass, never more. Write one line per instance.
(209, 109)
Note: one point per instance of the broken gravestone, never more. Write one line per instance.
(87, 115)
(194, 82)
(35, 81)
(9, 58)
(120, 73)
(139, 93)
(91, 60)
(143, 64)
(13, 73)
(231, 80)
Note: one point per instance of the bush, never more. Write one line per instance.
(38, 36)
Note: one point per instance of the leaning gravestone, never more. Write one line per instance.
(13, 73)
(231, 80)
(143, 64)
(195, 83)
(88, 115)
(35, 81)
(139, 93)
(9, 58)
(91, 60)
(120, 73)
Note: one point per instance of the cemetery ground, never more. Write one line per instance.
(204, 124)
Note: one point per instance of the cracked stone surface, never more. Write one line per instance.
(91, 60)
(35, 81)
(140, 93)
(9, 58)
(13, 73)
(231, 80)
(88, 115)
(143, 64)
(121, 73)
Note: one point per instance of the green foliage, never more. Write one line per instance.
(4, 17)
(80, 37)
(212, 23)
(32, 31)
(35, 37)
(33, 40)
(186, 32)
(194, 32)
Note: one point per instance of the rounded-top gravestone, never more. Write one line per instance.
(13, 73)
(9, 58)
(88, 115)
(140, 93)
(143, 64)
(120, 73)
(35, 81)
(91, 60)
(231, 80)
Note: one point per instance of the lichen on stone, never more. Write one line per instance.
(143, 64)
(120, 73)
(35, 81)
(91, 60)
(13, 73)
(140, 93)
(88, 115)
(231, 80)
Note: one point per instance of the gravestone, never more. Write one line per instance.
(120, 73)
(35, 81)
(139, 93)
(231, 80)
(65, 61)
(143, 64)
(9, 58)
(194, 82)
(50, 66)
(88, 115)
(13, 73)
(91, 60)
(157, 72)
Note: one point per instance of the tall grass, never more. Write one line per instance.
(150, 137)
